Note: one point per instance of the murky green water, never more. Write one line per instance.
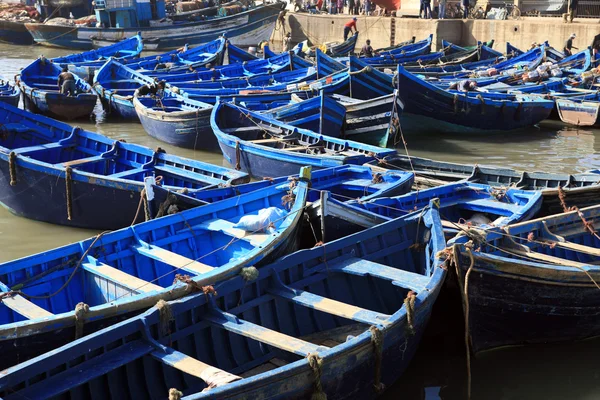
(438, 372)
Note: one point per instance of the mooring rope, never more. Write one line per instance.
(238, 155)
(12, 168)
(80, 310)
(175, 394)
(316, 364)
(409, 303)
(377, 340)
(68, 192)
(165, 316)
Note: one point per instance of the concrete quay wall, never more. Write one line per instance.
(385, 31)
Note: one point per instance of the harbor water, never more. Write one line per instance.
(566, 371)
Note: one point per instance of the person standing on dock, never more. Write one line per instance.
(573, 10)
(350, 6)
(348, 27)
(465, 8)
(66, 82)
(427, 9)
(442, 9)
(287, 42)
(569, 45)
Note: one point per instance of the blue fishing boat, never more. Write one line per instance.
(427, 106)
(178, 121)
(340, 321)
(127, 48)
(41, 94)
(14, 32)
(581, 190)
(463, 206)
(83, 177)
(280, 63)
(346, 48)
(412, 49)
(578, 112)
(533, 282)
(245, 28)
(119, 274)
(238, 55)
(321, 114)
(172, 62)
(9, 93)
(396, 46)
(346, 182)
(373, 121)
(260, 145)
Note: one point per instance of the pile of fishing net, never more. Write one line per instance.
(18, 12)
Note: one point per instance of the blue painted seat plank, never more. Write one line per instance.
(268, 336)
(173, 259)
(360, 267)
(329, 306)
(119, 277)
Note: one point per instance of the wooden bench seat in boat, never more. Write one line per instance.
(172, 259)
(21, 305)
(253, 128)
(272, 140)
(259, 333)
(129, 172)
(329, 306)
(360, 267)
(119, 277)
(184, 173)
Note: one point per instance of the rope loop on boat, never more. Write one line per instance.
(165, 206)
(12, 168)
(80, 310)
(193, 286)
(165, 316)
(69, 192)
(377, 340)
(144, 197)
(175, 394)
(480, 98)
(238, 155)
(316, 364)
(455, 103)
(249, 273)
(409, 303)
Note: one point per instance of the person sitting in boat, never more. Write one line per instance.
(466, 85)
(159, 64)
(66, 82)
(348, 27)
(569, 45)
(367, 49)
(149, 89)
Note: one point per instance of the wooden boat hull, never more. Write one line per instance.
(15, 33)
(59, 106)
(372, 121)
(116, 106)
(432, 108)
(244, 29)
(261, 160)
(89, 197)
(541, 294)
(9, 94)
(584, 113)
(188, 129)
(359, 348)
(111, 299)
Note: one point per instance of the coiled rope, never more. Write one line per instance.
(80, 310)
(377, 340)
(409, 303)
(316, 364)
(165, 316)
(12, 168)
(69, 192)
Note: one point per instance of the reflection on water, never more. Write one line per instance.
(438, 372)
